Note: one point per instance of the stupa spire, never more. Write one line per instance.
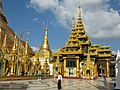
(45, 44)
(88, 55)
(73, 22)
(14, 48)
(79, 12)
(5, 41)
(4, 46)
(26, 47)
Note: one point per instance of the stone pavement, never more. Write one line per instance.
(68, 84)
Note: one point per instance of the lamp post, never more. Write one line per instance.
(19, 44)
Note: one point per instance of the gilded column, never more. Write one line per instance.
(77, 67)
(96, 71)
(59, 68)
(108, 70)
(64, 66)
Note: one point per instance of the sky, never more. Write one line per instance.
(101, 19)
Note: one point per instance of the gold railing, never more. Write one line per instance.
(101, 50)
(105, 55)
(71, 52)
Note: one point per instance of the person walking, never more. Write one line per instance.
(59, 79)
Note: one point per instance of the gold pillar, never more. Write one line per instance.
(64, 66)
(77, 67)
(12, 68)
(4, 69)
(96, 71)
(53, 71)
(59, 68)
(108, 70)
(15, 69)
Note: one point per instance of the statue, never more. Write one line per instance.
(118, 71)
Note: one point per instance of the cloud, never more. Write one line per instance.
(36, 20)
(114, 52)
(35, 48)
(27, 6)
(100, 21)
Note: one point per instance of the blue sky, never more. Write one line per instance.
(101, 19)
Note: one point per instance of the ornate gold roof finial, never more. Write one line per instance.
(58, 54)
(88, 55)
(5, 41)
(14, 48)
(26, 48)
(79, 12)
(4, 46)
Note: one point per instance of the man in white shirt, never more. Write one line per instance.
(59, 79)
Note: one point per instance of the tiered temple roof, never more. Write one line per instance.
(79, 42)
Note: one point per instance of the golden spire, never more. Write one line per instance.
(73, 22)
(45, 44)
(79, 12)
(58, 55)
(5, 41)
(88, 55)
(4, 47)
(26, 48)
(14, 48)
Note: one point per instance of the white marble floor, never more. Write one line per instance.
(68, 84)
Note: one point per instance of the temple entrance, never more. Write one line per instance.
(88, 74)
(71, 72)
(71, 65)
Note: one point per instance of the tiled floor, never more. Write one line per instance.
(69, 84)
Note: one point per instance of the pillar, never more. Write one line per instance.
(64, 66)
(77, 67)
(108, 70)
(96, 69)
(59, 68)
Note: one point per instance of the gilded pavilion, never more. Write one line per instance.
(14, 53)
(79, 58)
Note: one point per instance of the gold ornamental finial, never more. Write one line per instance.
(14, 48)
(79, 12)
(47, 25)
(58, 55)
(26, 47)
(5, 41)
(4, 46)
(88, 55)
